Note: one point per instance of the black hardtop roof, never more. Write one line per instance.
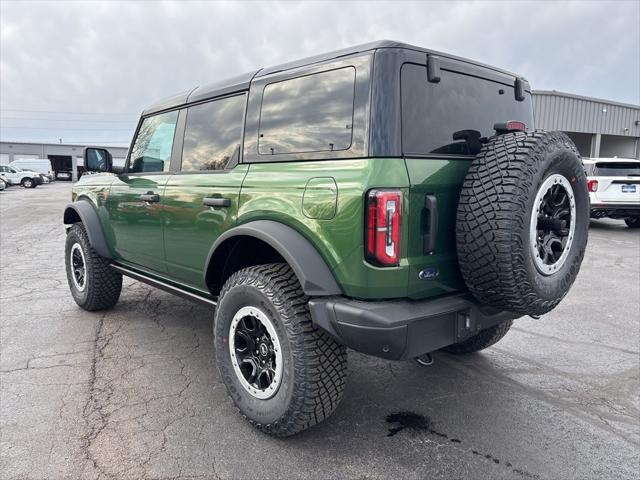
(242, 82)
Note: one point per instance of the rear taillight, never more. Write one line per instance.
(592, 185)
(510, 126)
(382, 236)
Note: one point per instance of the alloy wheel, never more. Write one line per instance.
(78, 267)
(256, 353)
(553, 223)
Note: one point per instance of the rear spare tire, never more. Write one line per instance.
(522, 221)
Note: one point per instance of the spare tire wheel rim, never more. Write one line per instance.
(255, 351)
(553, 224)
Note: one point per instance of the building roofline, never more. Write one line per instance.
(582, 97)
(61, 144)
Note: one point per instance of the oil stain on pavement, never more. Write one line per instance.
(418, 424)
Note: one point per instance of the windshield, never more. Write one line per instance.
(617, 169)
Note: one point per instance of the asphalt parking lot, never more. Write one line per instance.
(134, 393)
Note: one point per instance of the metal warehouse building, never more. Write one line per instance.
(599, 128)
(64, 157)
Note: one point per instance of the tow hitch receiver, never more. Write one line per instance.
(425, 360)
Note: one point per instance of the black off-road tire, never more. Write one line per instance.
(632, 222)
(314, 364)
(493, 221)
(481, 340)
(103, 284)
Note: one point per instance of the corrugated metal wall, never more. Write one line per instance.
(572, 113)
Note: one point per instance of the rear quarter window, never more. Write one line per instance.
(313, 113)
(452, 116)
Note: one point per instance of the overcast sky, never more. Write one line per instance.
(83, 71)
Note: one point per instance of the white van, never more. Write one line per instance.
(39, 165)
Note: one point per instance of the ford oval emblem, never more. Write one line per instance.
(428, 273)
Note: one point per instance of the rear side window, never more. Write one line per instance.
(213, 134)
(452, 116)
(151, 151)
(313, 113)
(617, 169)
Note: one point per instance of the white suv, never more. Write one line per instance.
(17, 176)
(614, 188)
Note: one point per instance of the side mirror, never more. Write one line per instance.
(97, 160)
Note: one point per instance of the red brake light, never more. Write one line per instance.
(518, 126)
(384, 215)
(510, 126)
(592, 185)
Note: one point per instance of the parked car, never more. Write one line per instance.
(40, 165)
(63, 175)
(386, 198)
(614, 188)
(17, 176)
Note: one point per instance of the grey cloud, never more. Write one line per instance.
(114, 58)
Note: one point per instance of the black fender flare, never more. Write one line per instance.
(312, 271)
(89, 217)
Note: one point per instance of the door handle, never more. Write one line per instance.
(150, 197)
(429, 238)
(216, 202)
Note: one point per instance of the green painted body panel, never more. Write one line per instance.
(136, 226)
(190, 228)
(322, 200)
(442, 178)
(95, 189)
(274, 191)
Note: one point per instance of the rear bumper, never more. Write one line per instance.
(402, 329)
(600, 210)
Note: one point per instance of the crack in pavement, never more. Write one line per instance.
(92, 410)
(576, 342)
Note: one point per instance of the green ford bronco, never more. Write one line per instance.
(385, 198)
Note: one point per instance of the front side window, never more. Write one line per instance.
(313, 113)
(151, 151)
(454, 116)
(213, 134)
